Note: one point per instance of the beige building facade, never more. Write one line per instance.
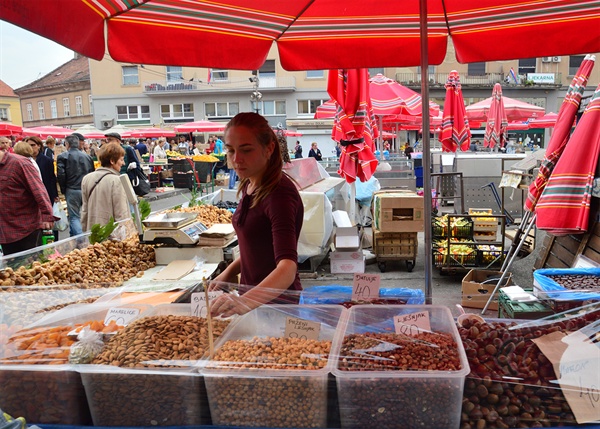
(10, 107)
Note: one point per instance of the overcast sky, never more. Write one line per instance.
(25, 57)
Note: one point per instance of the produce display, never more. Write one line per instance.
(512, 384)
(378, 301)
(490, 254)
(205, 158)
(458, 226)
(106, 262)
(576, 281)
(207, 214)
(458, 253)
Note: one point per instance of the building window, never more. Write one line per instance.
(29, 109)
(125, 113)
(216, 110)
(130, 75)
(375, 71)
(574, 63)
(270, 107)
(53, 110)
(41, 110)
(91, 105)
(219, 75)
(315, 74)
(308, 107)
(79, 105)
(177, 112)
(476, 69)
(4, 114)
(66, 107)
(527, 65)
(267, 69)
(174, 74)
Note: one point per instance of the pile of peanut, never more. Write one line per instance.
(159, 341)
(207, 214)
(106, 262)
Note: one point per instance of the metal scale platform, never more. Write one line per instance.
(174, 229)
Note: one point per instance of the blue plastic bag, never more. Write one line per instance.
(552, 290)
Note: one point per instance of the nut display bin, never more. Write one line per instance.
(270, 397)
(50, 394)
(129, 397)
(392, 399)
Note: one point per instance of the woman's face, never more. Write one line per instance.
(118, 164)
(249, 157)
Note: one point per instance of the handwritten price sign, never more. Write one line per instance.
(121, 315)
(303, 329)
(365, 287)
(199, 302)
(412, 324)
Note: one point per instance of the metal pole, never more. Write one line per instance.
(426, 153)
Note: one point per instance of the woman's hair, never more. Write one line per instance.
(23, 148)
(37, 140)
(50, 140)
(110, 152)
(264, 135)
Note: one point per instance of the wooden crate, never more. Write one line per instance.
(395, 244)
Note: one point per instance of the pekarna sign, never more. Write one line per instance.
(541, 77)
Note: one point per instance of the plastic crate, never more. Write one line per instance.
(487, 256)
(183, 180)
(204, 171)
(440, 229)
(182, 165)
(508, 309)
(395, 244)
(446, 258)
(388, 399)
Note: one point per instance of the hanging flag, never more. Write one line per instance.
(513, 75)
(209, 77)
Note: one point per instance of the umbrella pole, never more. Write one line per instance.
(426, 152)
(353, 202)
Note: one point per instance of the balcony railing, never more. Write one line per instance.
(237, 84)
(488, 79)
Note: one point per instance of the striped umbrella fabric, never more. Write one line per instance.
(455, 125)
(495, 128)
(388, 97)
(326, 110)
(564, 206)
(562, 131)
(310, 34)
(354, 124)
(546, 121)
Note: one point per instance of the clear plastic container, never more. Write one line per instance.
(396, 398)
(263, 396)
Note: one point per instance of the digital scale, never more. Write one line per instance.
(174, 229)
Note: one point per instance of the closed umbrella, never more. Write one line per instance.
(516, 110)
(354, 126)
(562, 131)
(455, 125)
(564, 206)
(201, 127)
(495, 128)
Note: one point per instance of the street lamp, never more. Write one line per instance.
(256, 96)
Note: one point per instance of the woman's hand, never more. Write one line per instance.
(228, 304)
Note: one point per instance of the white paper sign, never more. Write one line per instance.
(121, 315)
(365, 287)
(303, 329)
(199, 302)
(412, 324)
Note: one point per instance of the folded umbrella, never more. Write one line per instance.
(495, 128)
(455, 125)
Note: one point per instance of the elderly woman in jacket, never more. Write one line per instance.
(102, 192)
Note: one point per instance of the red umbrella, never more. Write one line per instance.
(495, 128)
(152, 133)
(517, 126)
(201, 127)
(455, 125)
(90, 132)
(562, 131)
(515, 110)
(48, 130)
(546, 121)
(564, 206)
(289, 133)
(9, 129)
(388, 97)
(354, 125)
(326, 110)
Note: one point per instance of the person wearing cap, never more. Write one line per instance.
(130, 160)
(71, 167)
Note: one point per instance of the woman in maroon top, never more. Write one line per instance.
(267, 221)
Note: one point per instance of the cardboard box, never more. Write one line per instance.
(346, 235)
(347, 262)
(398, 212)
(475, 294)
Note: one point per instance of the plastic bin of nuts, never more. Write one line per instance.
(391, 368)
(270, 369)
(147, 375)
(36, 380)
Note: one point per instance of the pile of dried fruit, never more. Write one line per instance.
(207, 214)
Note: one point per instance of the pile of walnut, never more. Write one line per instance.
(106, 262)
(207, 214)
